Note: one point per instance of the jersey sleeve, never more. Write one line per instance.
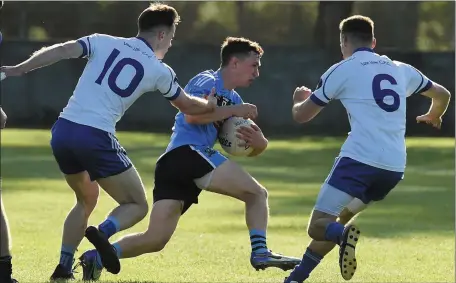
(201, 85)
(416, 81)
(329, 85)
(167, 82)
(88, 44)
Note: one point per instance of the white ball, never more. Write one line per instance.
(228, 139)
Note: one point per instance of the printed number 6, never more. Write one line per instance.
(112, 78)
(380, 94)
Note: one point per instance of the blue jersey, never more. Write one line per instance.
(202, 135)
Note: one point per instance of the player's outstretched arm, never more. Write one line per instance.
(45, 57)
(440, 100)
(245, 110)
(192, 105)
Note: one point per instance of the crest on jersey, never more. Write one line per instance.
(209, 151)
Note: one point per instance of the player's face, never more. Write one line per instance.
(248, 69)
(165, 41)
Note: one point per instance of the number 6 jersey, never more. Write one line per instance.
(373, 89)
(118, 72)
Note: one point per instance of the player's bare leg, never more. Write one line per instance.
(128, 190)
(231, 180)
(5, 245)
(318, 249)
(163, 222)
(86, 193)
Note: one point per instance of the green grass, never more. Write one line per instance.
(409, 237)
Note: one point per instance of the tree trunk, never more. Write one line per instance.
(326, 30)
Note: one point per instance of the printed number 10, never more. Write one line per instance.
(114, 74)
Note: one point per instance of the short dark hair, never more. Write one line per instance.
(358, 27)
(156, 15)
(238, 46)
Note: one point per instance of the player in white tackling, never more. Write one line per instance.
(118, 72)
(373, 89)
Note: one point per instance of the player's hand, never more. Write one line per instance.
(435, 122)
(245, 110)
(300, 94)
(11, 71)
(252, 136)
(212, 100)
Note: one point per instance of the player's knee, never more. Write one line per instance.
(158, 245)
(261, 192)
(153, 242)
(318, 223)
(88, 202)
(143, 208)
(257, 192)
(88, 205)
(312, 231)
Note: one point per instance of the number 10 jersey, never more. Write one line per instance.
(119, 70)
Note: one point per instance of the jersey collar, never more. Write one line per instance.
(219, 80)
(364, 49)
(145, 42)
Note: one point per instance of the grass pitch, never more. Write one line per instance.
(409, 237)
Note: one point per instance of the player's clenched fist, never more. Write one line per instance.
(301, 93)
(436, 122)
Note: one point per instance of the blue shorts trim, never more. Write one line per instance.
(79, 148)
(362, 181)
(212, 156)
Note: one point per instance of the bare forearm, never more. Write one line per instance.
(45, 57)
(439, 107)
(440, 100)
(197, 106)
(192, 105)
(219, 114)
(299, 113)
(305, 111)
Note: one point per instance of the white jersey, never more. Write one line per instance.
(119, 70)
(373, 89)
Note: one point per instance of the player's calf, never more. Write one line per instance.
(317, 250)
(128, 190)
(86, 193)
(231, 180)
(163, 222)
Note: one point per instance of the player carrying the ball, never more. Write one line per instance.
(200, 167)
(371, 163)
